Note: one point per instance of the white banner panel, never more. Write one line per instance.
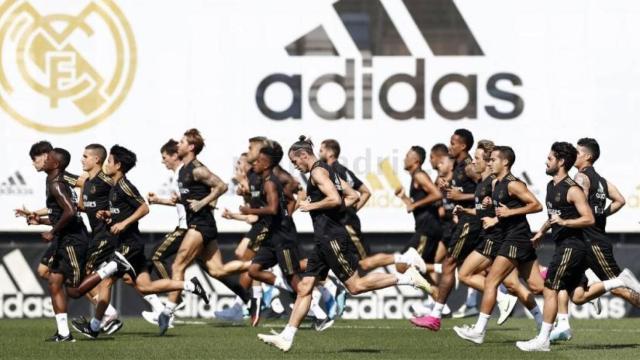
(378, 76)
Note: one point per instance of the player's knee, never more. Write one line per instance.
(254, 271)
(536, 287)
(465, 277)
(215, 271)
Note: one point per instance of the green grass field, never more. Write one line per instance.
(348, 339)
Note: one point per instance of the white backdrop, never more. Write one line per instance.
(199, 63)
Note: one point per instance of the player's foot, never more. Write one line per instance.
(231, 314)
(535, 344)
(152, 318)
(427, 322)
(465, 311)
(58, 338)
(560, 333)
(418, 280)
(416, 260)
(123, 265)
(163, 322)
(506, 304)
(469, 333)
(629, 280)
(276, 340)
(199, 290)
(85, 329)
(113, 326)
(322, 325)
(420, 309)
(254, 311)
(597, 305)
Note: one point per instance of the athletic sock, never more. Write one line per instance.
(481, 323)
(437, 268)
(168, 308)
(545, 331)
(289, 332)
(107, 270)
(403, 279)
(437, 310)
(256, 292)
(61, 323)
(537, 315)
(472, 298)
(563, 319)
(612, 284)
(94, 324)
(111, 311)
(155, 302)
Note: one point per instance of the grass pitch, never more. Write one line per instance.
(347, 339)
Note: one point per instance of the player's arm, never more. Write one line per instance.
(576, 197)
(350, 196)
(24, 212)
(249, 219)
(457, 195)
(584, 182)
(270, 208)
(63, 199)
(218, 187)
(332, 198)
(133, 198)
(433, 194)
(362, 189)
(519, 190)
(153, 198)
(617, 200)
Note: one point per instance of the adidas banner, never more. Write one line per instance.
(377, 75)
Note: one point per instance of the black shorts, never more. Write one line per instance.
(164, 250)
(134, 253)
(257, 234)
(48, 254)
(447, 231)
(100, 250)
(517, 245)
(465, 238)
(568, 265)
(489, 246)
(601, 260)
(426, 244)
(68, 260)
(332, 253)
(358, 244)
(287, 257)
(209, 232)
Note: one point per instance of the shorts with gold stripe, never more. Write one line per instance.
(357, 242)
(69, 259)
(567, 266)
(134, 253)
(332, 251)
(426, 244)
(600, 255)
(257, 234)
(517, 245)
(465, 237)
(164, 250)
(286, 257)
(490, 244)
(48, 254)
(100, 250)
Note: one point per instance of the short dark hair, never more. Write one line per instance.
(195, 138)
(269, 152)
(170, 147)
(123, 156)
(487, 146)
(592, 146)
(303, 144)
(506, 153)
(99, 150)
(332, 145)
(39, 148)
(278, 153)
(259, 139)
(440, 149)
(422, 154)
(565, 151)
(467, 137)
(63, 156)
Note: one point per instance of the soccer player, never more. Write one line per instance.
(466, 232)
(507, 249)
(199, 187)
(602, 263)
(569, 214)
(126, 208)
(332, 250)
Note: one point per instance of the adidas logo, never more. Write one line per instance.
(15, 185)
(384, 191)
(384, 33)
(21, 294)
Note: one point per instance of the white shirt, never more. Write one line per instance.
(182, 212)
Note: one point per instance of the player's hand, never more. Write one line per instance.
(442, 183)
(226, 214)
(305, 206)
(536, 239)
(196, 205)
(411, 207)
(399, 192)
(47, 236)
(458, 210)
(452, 194)
(244, 209)
(103, 215)
(118, 228)
(175, 198)
(22, 212)
(556, 219)
(503, 211)
(486, 202)
(489, 222)
(33, 220)
(152, 198)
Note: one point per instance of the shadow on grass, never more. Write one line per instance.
(599, 347)
(361, 351)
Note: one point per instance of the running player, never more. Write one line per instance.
(199, 187)
(466, 232)
(332, 250)
(569, 213)
(600, 257)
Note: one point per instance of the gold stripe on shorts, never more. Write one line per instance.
(356, 241)
(461, 240)
(562, 268)
(343, 262)
(602, 261)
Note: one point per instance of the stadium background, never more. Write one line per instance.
(379, 76)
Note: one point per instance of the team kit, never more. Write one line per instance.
(470, 226)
